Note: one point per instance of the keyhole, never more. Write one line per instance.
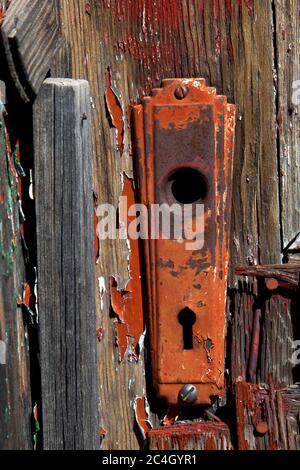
(187, 318)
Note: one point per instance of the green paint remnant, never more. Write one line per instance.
(10, 257)
(17, 163)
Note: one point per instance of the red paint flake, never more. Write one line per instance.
(100, 334)
(142, 416)
(228, 7)
(88, 8)
(171, 415)
(115, 111)
(102, 432)
(249, 6)
(2, 197)
(247, 3)
(28, 298)
(121, 337)
(127, 303)
(2, 14)
(35, 412)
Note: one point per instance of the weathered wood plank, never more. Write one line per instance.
(286, 274)
(15, 388)
(287, 52)
(66, 291)
(30, 39)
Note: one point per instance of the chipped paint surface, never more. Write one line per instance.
(201, 436)
(155, 50)
(127, 303)
(115, 111)
(187, 126)
(267, 416)
(142, 412)
(102, 290)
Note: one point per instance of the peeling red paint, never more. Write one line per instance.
(142, 416)
(184, 436)
(28, 297)
(127, 303)
(115, 111)
(172, 414)
(152, 45)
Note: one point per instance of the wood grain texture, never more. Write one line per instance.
(65, 254)
(30, 38)
(232, 45)
(277, 409)
(287, 50)
(15, 389)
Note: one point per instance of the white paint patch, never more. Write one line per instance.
(35, 291)
(102, 290)
(2, 353)
(31, 191)
(142, 341)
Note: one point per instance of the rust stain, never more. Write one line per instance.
(115, 111)
(127, 303)
(190, 128)
(142, 416)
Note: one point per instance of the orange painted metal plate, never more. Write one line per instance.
(184, 136)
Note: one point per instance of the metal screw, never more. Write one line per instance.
(181, 92)
(188, 393)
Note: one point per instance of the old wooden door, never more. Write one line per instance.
(249, 50)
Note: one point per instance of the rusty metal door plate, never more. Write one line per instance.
(184, 140)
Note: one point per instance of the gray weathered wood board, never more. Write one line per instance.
(65, 254)
(30, 39)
